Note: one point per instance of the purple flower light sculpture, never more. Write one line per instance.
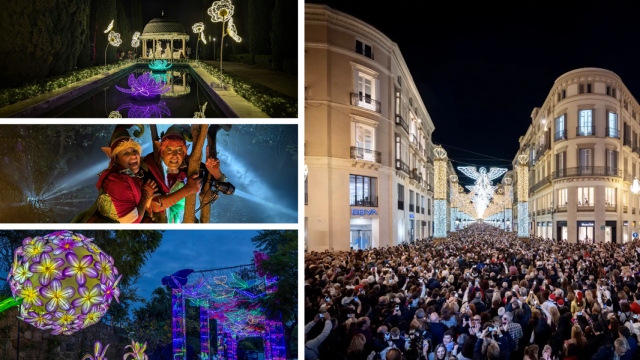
(66, 282)
(145, 87)
(149, 111)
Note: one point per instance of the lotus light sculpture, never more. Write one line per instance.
(145, 87)
(159, 65)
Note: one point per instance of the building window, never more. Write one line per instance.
(363, 191)
(612, 162)
(417, 203)
(585, 196)
(585, 158)
(561, 128)
(364, 49)
(581, 89)
(429, 206)
(609, 90)
(562, 198)
(585, 127)
(398, 99)
(422, 204)
(564, 94)
(561, 164)
(612, 125)
(365, 86)
(306, 191)
(400, 197)
(411, 203)
(610, 196)
(588, 88)
(613, 92)
(364, 142)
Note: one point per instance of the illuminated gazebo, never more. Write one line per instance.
(163, 28)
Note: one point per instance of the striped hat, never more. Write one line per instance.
(121, 139)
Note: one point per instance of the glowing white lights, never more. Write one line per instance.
(306, 171)
(522, 171)
(109, 27)
(635, 188)
(231, 29)
(114, 39)
(198, 27)
(483, 187)
(114, 115)
(135, 42)
(523, 219)
(220, 11)
(200, 114)
(136, 34)
(440, 218)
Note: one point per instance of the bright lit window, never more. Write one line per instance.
(585, 196)
(612, 125)
(585, 127)
(562, 197)
(610, 196)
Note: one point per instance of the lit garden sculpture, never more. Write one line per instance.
(144, 87)
(159, 65)
(113, 39)
(98, 352)
(65, 281)
(135, 42)
(198, 28)
(230, 296)
(222, 11)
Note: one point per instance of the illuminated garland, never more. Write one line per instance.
(271, 102)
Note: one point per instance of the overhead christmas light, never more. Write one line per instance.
(109, 27)
(635, 187)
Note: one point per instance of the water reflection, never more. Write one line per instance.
(150, 111)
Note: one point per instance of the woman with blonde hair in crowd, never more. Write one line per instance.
(356, 349)
(575, 347)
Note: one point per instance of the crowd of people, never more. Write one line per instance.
(481, 294)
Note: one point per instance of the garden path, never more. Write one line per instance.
(276, 80)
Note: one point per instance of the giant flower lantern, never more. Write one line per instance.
(149, 111)
(65, 281)
(144, 87)
(222, 11)
(159, 65)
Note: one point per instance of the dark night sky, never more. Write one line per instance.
(481, 67)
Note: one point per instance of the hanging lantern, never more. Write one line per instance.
(65, 281)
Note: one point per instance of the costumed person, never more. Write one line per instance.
(168, 164)
(123, 196)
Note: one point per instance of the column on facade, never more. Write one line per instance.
(184, 52)
(523, 196)
(440, 193)
(179, 330)
(454, 201)
(171, 41)
(508, 200)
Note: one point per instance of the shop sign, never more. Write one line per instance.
(586, 224)
(625, 223)
(363, 212)
(412, 216)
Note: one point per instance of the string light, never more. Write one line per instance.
(231, 29)
(144, 86)
(220, 11)
(522, 171)
(114, 39)
(635, 187)
(198, 27)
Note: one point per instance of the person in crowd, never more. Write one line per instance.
(481, 294)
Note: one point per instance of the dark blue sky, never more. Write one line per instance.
(197, 250)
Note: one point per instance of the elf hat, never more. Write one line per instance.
(121, 139)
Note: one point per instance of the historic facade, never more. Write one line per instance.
(583, 150)
(368, 138)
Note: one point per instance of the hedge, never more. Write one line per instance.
(271, 102)
(264, 61)
(290, 66)
(14, 95)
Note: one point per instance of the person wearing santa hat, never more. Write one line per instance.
(123, 197)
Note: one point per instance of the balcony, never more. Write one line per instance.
(540, 184)
(613, 133)
(366, 102)
(358, 153)
(636, 149)
(585, 130)
(627, 141)
(628, 177)
(414, 139)
(400, 121)
(355, 200)
(416, 176)
(625, 209)
(429, 187)
(562, 208)
(542, 149)
(560, 135)
(587, 171)
(587, 206)
(610, 207)
(400, 165)
(430, 160)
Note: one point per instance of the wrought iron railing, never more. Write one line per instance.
(355, 200)
(587, 171)
(366, 102)
(366, 154)
(415, 175)
(613, 133)
(628, 177)
(560, 135)
(627, 141)
(585, 130)
(624, 209)
(400, 121)
(540, 184)
(414, 139)
(562, 208)
(400, 165)
(586, 206)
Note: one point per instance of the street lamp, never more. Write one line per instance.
(214, 48)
